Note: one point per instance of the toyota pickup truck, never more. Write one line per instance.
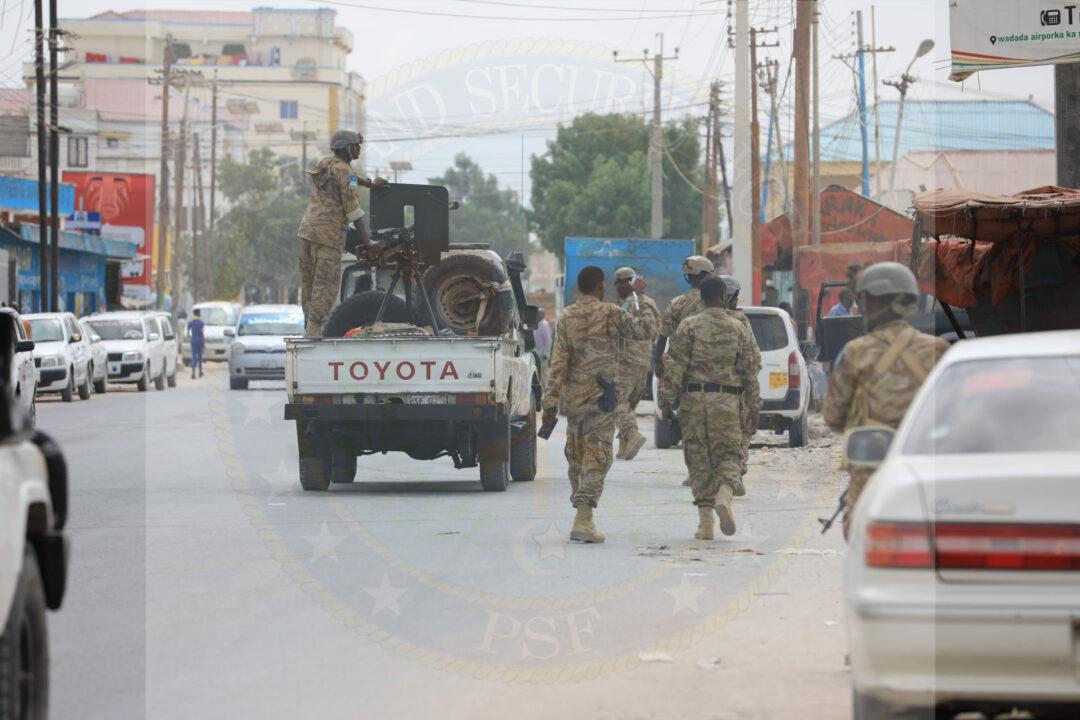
(469, 389)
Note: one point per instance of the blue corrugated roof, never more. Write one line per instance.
(942, 125)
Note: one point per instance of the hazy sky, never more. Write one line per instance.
(493, 80)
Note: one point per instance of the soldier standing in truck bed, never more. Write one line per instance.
(334, 205)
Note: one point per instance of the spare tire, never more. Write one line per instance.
(360, 311)
(456, 285)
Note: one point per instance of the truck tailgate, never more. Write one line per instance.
(391, 365)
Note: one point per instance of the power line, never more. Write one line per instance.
(435, 13)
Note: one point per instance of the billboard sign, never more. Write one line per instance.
(124, 205)
(993, 34)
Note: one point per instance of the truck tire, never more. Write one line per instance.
(24, 648)
(144, 382)
(797, 432)
(454, 286)
(523, 452)
(665, 436)
(86, 388)
(360, 311)
(342, 468)
(494, 455)
(314, 465)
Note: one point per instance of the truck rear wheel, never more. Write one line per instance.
(314, 466)
(523, 452)
(361, 310)
(494, 455)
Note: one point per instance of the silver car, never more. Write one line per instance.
(258, 348)
(217, 317)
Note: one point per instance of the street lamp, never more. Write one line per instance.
(905, 82)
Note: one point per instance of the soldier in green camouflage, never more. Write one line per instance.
(585, 346)
(633, 364)
(877, 375)
(333, 205)
(732, 289)
(713, 362)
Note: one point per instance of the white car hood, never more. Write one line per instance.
(262, 342)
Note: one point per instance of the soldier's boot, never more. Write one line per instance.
(584, 530)
(312, 329)
(705, 526)
(621, 454)
(634, 445)
(724, 509)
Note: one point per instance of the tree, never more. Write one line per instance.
(594, 180)
(254, 243)
(487, 214)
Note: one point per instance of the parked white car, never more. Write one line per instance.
(962, 582)
(100, 357)
(33, 561)
(170, 347)
(21, 376)
(217, 317)
(62, 355)
(135, 350)
(258, 352)
(783, 380)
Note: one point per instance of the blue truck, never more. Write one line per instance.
(660, 261)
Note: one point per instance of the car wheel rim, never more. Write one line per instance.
(458, 300)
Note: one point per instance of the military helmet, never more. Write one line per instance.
(887, 278)
(697, 264)
(625, 273)
(344, 138)
(732, 287)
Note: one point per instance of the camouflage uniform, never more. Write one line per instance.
(634, 357)
(680, 308)
(712, 348)
(748, 423)
(334, 203)
(875, 380)
(585, 344)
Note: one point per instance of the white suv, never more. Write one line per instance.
(33, 559)
(62, 355)
(135, 350)
(21, 375)
(217, 317)
(783, 380)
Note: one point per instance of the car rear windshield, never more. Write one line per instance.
(769, 331)
(218, 316)
(1001, 406)
(46, 330)
(271, 325)
(117, 329)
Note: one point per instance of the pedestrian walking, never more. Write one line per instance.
(633, 358)
(334, 205)
(713, 362)
(877, 375)
(543, 339)
(580, 386)
(197, 341)
(747, 420)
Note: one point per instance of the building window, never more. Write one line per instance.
(290, 109)
(78, 151)
(112, 142)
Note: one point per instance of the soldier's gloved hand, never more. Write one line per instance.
(550, 415)
(666, 413)
(379, 182)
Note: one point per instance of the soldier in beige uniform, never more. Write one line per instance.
(714, 362)
(878, 374)
(585, 347)
(334, 204)
(732, 289)
(633, 364)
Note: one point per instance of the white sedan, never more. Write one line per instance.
(962, 583)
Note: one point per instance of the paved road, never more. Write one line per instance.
(205, 584)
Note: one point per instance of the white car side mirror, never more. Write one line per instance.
(867, 446)
(154, 336)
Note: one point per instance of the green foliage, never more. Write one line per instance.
(594, 180)
(254, 242)
(487, 214)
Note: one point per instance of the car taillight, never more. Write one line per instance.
(898, 545)
(794, 378)
(1007, 546)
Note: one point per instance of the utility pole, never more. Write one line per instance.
(708, 197)
(197, 219)
(54, 165)
(303, 152)
(43, 208)
(767, 75)
(755, 159)
(863, 130)
(877, 98)
(803, 20)
(906, 81)
(815, 186)
(213, 150)
(656, 143)
(740, 238)
(176, 254)
(163, 190)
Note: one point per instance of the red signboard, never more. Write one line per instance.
(126, 204)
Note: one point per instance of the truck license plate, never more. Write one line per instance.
(436, 399)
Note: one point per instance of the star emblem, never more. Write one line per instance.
(386, 596)
(282, 482)
(788, 486)
(324, 545)
(685, 596)
(260, 407)
(552, 543)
